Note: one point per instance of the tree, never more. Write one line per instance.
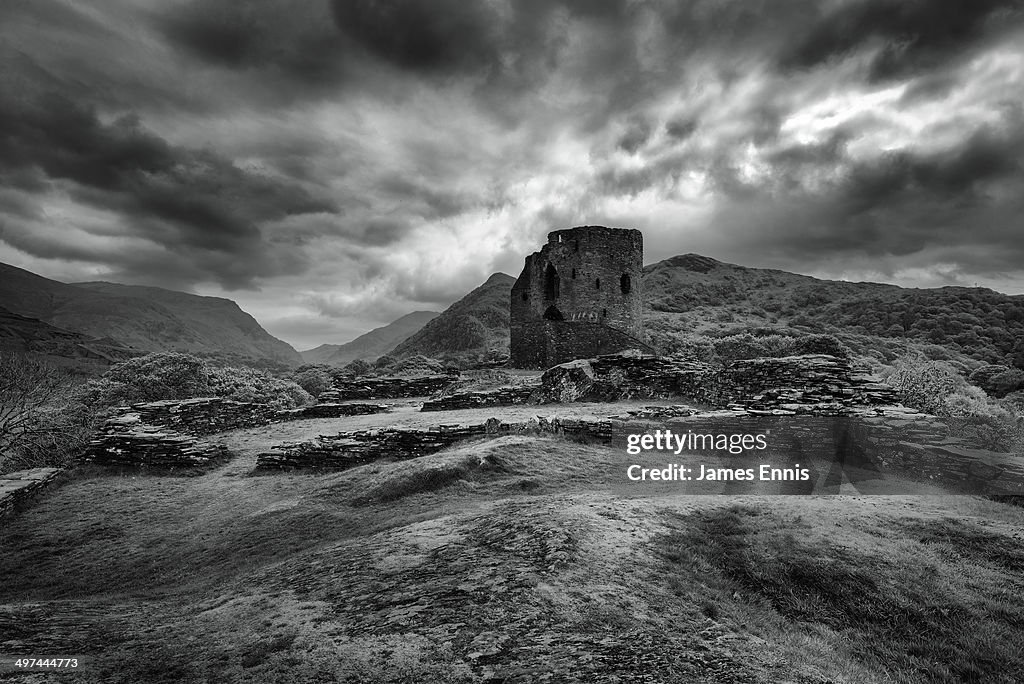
(41, 421)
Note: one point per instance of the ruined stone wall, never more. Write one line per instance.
(127, 441)
(387, 388)
(351, 449)
(542, 343)
(18, 488)
(588, 274)
(796, 384)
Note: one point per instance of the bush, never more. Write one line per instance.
(743, 346)
(695, 349)
(821, 344)
(357, 368)
(925, 385)
(935, 387)
(412, 365)
(249, 384)
(313, 380)
(173, 375)
(162, 375)
(997, 379)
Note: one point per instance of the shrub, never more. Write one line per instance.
(925, 385)
(313, 380)
(935, 387)
(743, 346)
(997, 379)
(249, 384)
(413, 365)
(161, 375)
(695, 349)
(821, 344)
(356, 368)
(173, 375)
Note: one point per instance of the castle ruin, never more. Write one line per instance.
(578, 297)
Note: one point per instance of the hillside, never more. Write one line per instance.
(371, 345)
(145, 318)
(469, 328)
(692, 294)
(688, 296)
(65, 348)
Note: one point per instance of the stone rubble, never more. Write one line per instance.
(502, 396)
(350, 449)
(331, 411)
(126, 440)
(386, 388)
(160, 433)
(814, 383)
(20, 486)
(204, 416)
(210, 415)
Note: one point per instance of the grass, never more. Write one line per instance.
(940, 604)
(508, 559)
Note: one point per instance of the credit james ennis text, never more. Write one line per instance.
(677, 472)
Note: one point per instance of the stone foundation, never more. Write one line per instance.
(540, 344)
(503, 396)
(208, 416)
(791, 385)
(127, 441)
(17, 488)
(386, 388)
(351, 449)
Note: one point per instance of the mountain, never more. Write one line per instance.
(469, 328)
(373, 344)
(145, 318)
(692, 294)
(65, 348)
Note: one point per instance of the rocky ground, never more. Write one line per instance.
(518, 559)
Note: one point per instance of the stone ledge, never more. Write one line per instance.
(18, 487)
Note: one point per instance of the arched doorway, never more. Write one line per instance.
(553, 314)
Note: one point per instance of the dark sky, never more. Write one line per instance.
(334, 165)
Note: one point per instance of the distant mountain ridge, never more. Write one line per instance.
(372, 345)
(145, 318)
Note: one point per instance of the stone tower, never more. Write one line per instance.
(578, 297)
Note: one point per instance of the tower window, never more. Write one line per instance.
(604, 313)
(574, 274)
(625, 283)
(526, 296)
(550, 283)
(597, 284)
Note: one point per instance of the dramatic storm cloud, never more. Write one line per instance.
(332, 165)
